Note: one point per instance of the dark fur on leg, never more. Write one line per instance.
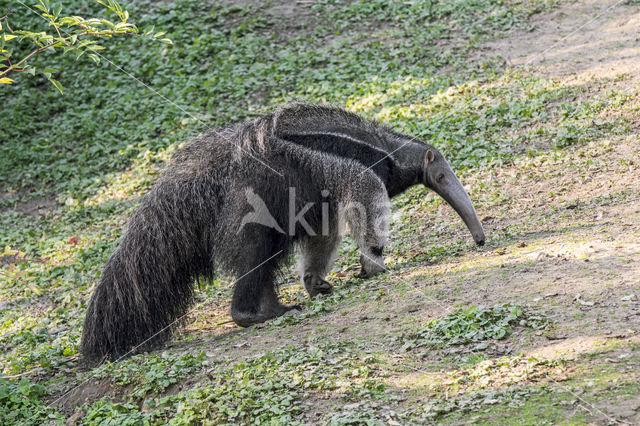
(316, 257)
(253, 303)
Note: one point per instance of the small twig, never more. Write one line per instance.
(58, 31)
(35, 52)
(26, 373)
(586, 409)
(7, 15)
(14, 68)
(200, 329)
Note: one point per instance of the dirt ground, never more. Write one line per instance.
(578, 41)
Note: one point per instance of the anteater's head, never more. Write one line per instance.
(438, 176)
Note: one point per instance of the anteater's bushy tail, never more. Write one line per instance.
(147, 284)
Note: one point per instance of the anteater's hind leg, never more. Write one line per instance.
(254, 296)
(317, 254)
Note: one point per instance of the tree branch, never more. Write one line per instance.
(4, 18)
(14, 67)
(26, 58)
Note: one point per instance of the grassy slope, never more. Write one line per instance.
(74, 166)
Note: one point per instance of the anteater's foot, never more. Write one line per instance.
(316, 285)
(246, 319)
(371, 266)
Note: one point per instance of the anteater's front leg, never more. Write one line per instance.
(367, 214)
(317, 254)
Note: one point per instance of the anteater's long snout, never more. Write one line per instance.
(454, 193)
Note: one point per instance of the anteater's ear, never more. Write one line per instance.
(429, 157)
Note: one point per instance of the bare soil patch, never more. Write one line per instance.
(32, 207)
(580, 40)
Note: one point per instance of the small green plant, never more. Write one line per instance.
(104, 411)
(21, 403)
(474, 324)
(266, 389)
(151, 374)
(439, 408)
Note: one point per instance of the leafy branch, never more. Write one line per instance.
(73, 34)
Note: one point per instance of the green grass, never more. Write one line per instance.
(564, 402)
(150, 374)
(474, 325)
(21, 402)
(267, 388)
(89, 153)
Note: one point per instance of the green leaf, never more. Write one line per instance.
(71, 20)
(108, 23)
(57, 84)
(148, 30)
(56, 11)
(123, 26)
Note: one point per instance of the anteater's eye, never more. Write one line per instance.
(440, 178)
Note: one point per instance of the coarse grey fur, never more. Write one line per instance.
(192, 219)
(195, 217)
